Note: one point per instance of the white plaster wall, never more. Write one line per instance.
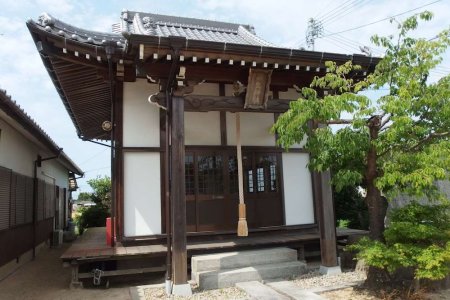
(206, 89)
(142, 194)
(202, 128)
(255, 129)
(298, 193)
(52, 168)
(140, 118)
(16, 152)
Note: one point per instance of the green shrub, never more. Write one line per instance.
(418, 238)
(93, 216)
(343, 223)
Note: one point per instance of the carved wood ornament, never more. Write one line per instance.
(258, 89)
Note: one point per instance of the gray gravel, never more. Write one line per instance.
(226, 293)
(314, 279)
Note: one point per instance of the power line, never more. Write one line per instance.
(333, 10)
(322, 8)
(93, 156)
(344, 13)
(339, 45)
(102, 168)
(381, 20)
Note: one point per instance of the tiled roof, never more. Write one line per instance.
(190, 28)
(65, 30)
(14, 111)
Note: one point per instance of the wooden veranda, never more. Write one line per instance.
(90, 251)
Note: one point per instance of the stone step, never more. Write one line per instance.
(240, 259)
(229, 277)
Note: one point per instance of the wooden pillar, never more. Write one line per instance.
(179, 253)
(326, 220)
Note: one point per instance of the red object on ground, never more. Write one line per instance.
(109, 237)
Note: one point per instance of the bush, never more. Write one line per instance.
(93, 216)
(418, 239)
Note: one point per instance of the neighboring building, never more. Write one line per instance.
(34, 186)
(204, 73)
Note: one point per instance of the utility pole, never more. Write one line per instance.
(314, 30)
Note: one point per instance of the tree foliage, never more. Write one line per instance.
(101, 187)
(95, 216)
(84, 196)
(397, 143)
(418, 238)
(92, 216)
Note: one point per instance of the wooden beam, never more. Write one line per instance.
(179, 256)
(224, 103)
(118, 142)
(223, 118)
(230, 73)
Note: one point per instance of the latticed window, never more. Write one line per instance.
(190, 175)
(210, 174)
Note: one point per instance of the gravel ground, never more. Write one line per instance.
(348, 293)
(227, 293)
(314, 279)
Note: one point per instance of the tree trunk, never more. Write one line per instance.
(377, 211)
(375, 203)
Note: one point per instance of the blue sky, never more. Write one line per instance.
(280, 22)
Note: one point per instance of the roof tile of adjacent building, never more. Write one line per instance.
(14, 111)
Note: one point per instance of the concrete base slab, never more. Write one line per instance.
(229, 277)
(182, 290)
(257, 290)
(291, 290)
(330, 270)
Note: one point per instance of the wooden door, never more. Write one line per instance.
(212, 190)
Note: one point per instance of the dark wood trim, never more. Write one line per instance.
(281, 180)
(178, 192)
(231, 73)
(143, 149)
(119, 219)
(223, 128)
(163, 157)
(274, 149)
(198, 103)
(150, 239)
(223, 118)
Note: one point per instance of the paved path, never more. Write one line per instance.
(280, 290)
(45, 278)
(258, 291)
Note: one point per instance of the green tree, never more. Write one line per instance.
(396, 143)
(101, 187)
(84, 196)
